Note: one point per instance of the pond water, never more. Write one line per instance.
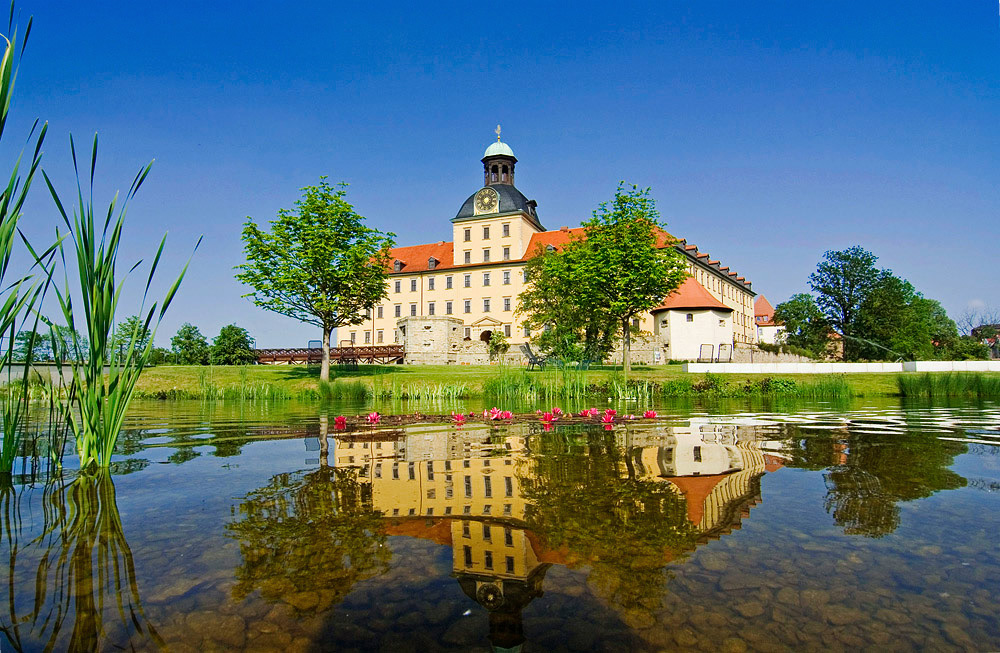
(260, 527)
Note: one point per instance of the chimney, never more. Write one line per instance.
(563, 228)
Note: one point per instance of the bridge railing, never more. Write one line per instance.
(311, 356)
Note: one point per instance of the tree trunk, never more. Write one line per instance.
(324, 369)
(626, 348)
(324, 443)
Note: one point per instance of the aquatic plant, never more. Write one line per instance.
(951, 384)
(649, 414)
(20, 296)
(102, 397)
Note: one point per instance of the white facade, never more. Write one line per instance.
(771, 334)
(681, 333)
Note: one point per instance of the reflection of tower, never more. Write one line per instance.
(496, 565)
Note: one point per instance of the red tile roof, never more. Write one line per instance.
(763, 312)
(690, 294)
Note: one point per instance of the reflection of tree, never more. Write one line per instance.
(880, 471)
(85, 594)
(307, 538)
(625, 528)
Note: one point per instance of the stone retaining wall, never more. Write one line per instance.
(842, 368)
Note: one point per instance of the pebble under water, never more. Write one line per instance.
(269, 530)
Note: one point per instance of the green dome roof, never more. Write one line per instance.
(498, 149)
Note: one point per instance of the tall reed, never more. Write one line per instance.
(19, 296)
(950, 384)
(104, 378)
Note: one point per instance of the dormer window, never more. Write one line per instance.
(432, 263)
(397, 266)
(550, 248)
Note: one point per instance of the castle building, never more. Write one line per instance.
(465, 289)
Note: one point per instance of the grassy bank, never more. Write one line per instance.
(461, 382)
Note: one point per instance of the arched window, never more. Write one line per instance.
(505, 173)
(494, 173)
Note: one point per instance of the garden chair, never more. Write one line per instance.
(533, 358)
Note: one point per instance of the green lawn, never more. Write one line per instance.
(296, 379)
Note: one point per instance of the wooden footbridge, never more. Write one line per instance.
(371, 354)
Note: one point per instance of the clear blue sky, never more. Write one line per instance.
(768, 131)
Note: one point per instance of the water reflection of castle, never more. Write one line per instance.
(466, 489)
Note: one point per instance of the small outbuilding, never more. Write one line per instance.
(768, 330)
(691, 324)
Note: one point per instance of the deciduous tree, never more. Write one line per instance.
(805, 325)
(842, 282)
(232, 347)
(319, 264)
(189, 346)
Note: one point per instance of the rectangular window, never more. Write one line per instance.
(378, 337)
(527, 332)
(447, 308)
(486, 278)
(468, 235)
(635, 323)
(468, 258)
(506, 230)
(486, 256)
(395, 470)
(413, 309)
(525, 276)
(368, 313)
(486, 304)
(412, 470)
(690, 317)
(510, 564)
(506, 330)
(697, 454)
(466, 531)
(506, 253)
(508, 536)
(508, 486)
(488, 487)
(468, 333)
(506, 303)
(368, 337)
(395, 336)
(430, 308)
(430, 283)
(430, 471)
(506, 277)
(468, 305)
(487, 535)
(398, 308)
(399, 285)
(488, 560)
(447, 282)
(468, 281)
(413, 285)
(380, 312)
(468, 555)
(354, 337)
(468, 487)
(486, 233)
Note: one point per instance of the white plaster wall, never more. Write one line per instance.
(770, 334)
(685, 338)
(843, 368)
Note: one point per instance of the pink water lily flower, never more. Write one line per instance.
(608, 419)
(610, 411)
(495, 413)
(458, 418)
(506, 415)
(608, 427)
(630, 416)
(585, 412)
(374, 418)
(557, 412)
(649, 414)
(340, 422)
(547, 417)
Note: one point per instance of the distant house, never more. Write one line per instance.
(768, 330)
(989, 335)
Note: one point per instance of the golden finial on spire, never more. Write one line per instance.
(498, 133)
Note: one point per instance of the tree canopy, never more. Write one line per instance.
(189, 346)
(880, 315)
(598, 284)
(232, 346)
(319, 264)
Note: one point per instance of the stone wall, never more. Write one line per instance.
(752, 354)
(430, 340)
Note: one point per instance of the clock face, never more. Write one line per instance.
(486, 200)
